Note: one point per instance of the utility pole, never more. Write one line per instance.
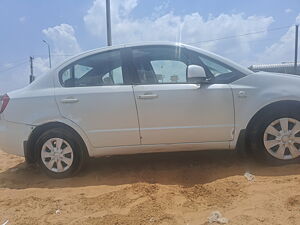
(296, 48)
(49, 54)
(31, 77)
(108, 23)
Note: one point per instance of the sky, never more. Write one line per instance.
(248, 32)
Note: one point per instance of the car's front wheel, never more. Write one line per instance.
(275, 137)
(60, 154)
(282, 138)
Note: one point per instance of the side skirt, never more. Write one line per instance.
(127, 150)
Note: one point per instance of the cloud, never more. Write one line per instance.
(162, 25)
(282, 50)
(63, 43)
(14, 78)
(22, 19)
(168, 26)
(119, 10)
(288, 10)
(8, 65)
(63, 39)
(161, 9)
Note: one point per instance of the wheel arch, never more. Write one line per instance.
(29, 146)
(243, 138)
(272, 106)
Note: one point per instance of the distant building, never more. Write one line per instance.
(277, 68)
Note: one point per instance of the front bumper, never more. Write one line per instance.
(13, 135)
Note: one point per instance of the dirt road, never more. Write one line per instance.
(173, 188)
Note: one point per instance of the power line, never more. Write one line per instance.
(18, 61)
(13, 67)
(53, 55)
(204, 41)
(241, 35)
(259, 40)
(22, 62)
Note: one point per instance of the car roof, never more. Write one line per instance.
(161, 43)
(120, 46)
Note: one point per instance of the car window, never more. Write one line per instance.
(215, 68)
(114, 77)
(95, 70)
(160, 64)
(169, 71)
(66, 77)
(81, 70)
(219, 72)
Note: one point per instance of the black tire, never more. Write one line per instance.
(80, 155)
(255, 133)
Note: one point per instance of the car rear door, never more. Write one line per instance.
(172, 110)
(97, 95)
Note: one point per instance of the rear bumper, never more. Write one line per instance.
(13, 136)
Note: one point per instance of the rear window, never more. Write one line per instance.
(96, 70)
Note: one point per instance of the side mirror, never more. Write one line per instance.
(196, 74)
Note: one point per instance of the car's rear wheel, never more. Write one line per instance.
(60, 154)
(275, 137)
(57, 155)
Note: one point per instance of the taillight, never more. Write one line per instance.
(5, 100)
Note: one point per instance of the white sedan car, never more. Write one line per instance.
(149, 98)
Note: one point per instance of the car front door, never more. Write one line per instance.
(95, 94)
(172, 110)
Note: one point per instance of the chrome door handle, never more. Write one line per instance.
(69, 100)
(147, 96)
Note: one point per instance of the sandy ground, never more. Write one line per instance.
(173, 188)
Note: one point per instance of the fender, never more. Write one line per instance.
(72, 125)
(258, 95)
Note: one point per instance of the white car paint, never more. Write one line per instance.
(107, 114)
(261, 89)
(183, 117)
(162, 121)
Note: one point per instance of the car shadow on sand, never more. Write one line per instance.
(181, 168)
